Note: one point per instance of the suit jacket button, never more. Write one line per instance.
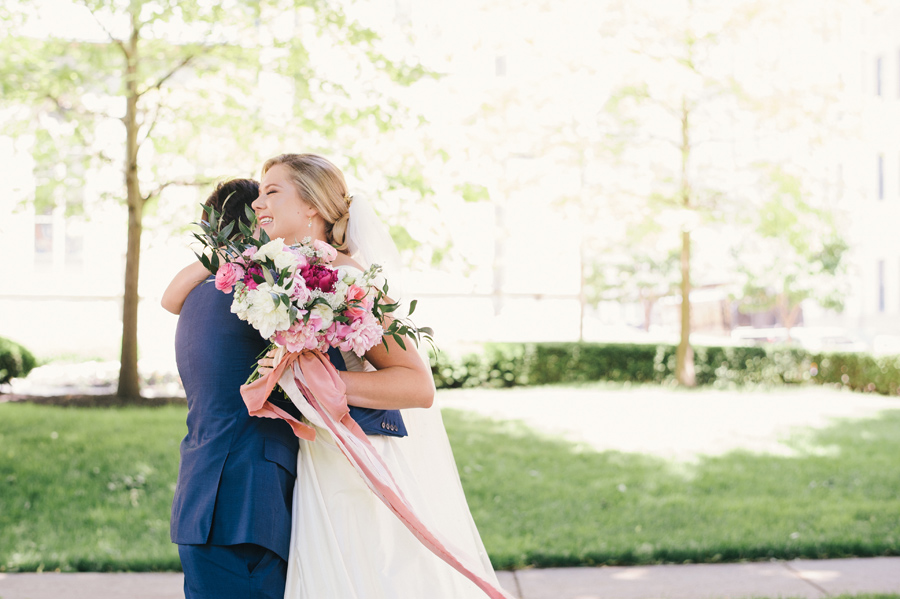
(383, 425)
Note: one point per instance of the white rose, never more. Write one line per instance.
(325, 313)
(340, 294)
(285, 260)
(269, 250)
(264, 313)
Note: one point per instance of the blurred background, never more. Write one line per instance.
(552, 171)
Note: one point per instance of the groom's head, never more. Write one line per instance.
(229, 199)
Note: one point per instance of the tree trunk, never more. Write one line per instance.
(129, 384)
(684, 357)
(788, 314)
(648, 302)
(684, 369)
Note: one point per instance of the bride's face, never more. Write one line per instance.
(279, 209)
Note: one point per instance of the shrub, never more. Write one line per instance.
(15, 360)
(511, 364)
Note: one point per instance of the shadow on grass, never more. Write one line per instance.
(544, 502)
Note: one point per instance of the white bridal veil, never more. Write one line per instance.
(427, 448)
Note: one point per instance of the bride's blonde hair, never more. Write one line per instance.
(321, 185)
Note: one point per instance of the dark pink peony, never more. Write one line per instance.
(319, 277)
(248, 277)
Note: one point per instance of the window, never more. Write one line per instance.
(43, 241)
(881, 286)
(878, 68)
(500, 66)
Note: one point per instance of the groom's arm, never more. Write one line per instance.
(177, 291)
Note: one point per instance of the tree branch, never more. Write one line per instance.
(159, 83)
(153, 122)
(112, 38)
(200, 182)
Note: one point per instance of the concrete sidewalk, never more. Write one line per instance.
(798, 578)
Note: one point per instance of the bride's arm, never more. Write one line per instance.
(401, 379)
(177, 291)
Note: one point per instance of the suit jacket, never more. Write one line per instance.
(234, 467)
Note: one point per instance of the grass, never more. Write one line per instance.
(87, 489)
(90, 489)
(545, 502)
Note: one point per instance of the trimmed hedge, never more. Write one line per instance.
(514, 364)
(15, 360)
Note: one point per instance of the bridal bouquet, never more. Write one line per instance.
(293, 295)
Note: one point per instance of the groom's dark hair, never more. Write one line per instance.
(230, 197)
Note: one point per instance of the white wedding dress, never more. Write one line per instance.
(346, 544)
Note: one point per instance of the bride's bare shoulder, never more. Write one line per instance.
(345, 260)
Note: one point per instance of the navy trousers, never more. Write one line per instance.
(243, 571)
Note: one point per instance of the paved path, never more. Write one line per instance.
(799, 578)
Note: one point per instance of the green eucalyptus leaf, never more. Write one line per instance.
(227, 230)
(400, 342)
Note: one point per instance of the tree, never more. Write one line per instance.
(795, 254)
(661, 122)
(188, 82)
(705, 104)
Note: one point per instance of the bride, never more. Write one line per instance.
(345, 542)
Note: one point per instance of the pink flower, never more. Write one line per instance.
(359, 336)
(248, 276)
(249, 252)
(357, 302)
(300, 335)
(299, 292)
(319, 277)
(301, 259)
(227, 275)
(329, 252)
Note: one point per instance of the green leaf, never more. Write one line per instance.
(251, 216)
(268, 275)
(228, 229)
(205, 262)
(412, 306)
(400, 342)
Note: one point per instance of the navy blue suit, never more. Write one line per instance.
(236, 476)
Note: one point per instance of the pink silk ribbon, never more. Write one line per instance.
(256, 397)
(316, 379)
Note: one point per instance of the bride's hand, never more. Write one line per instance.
(267, 362)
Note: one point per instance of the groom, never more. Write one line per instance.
(231, 515)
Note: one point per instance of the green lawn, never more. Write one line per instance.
(546, 502)
(90, 489)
